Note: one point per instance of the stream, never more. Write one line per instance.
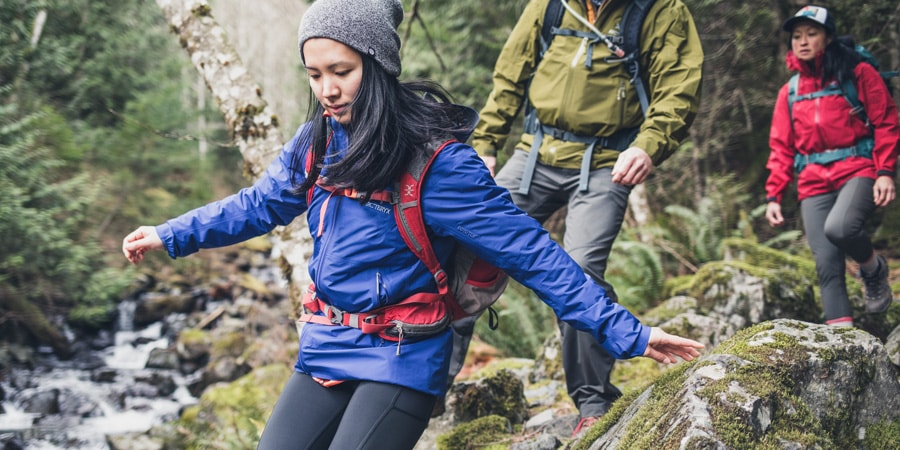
(106, 391)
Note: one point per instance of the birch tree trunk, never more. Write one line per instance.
(253, 127)
(639, 208)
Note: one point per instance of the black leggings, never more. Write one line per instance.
(352, 415)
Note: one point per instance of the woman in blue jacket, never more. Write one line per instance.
(366, 128)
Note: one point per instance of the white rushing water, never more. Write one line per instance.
(110, 407)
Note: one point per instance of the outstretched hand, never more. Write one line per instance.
(139, 242)
(664, 347)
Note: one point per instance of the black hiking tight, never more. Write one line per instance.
(350, 416)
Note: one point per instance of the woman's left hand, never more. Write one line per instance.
(884, 190)
(664, 347)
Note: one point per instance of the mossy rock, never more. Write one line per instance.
(785, 291)
(229, 344)
(235, 412)
(679, 285)
(763, 389)
(486, 433)
(193, 343)
(502, 394)
(669, 309)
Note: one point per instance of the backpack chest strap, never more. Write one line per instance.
(381, 196)
(862, 149)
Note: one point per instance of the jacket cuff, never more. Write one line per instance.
(772, 198)
(886, 173)
(168, 238)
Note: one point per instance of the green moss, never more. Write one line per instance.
(711, 274)
(654, 416)
(615, 413)
(635, 373)
(252, 283)
(201, 10)
(668, 310)
(761, 374)
(229, 344)
(680, 285)
(882, 436)
(766, 375)
(235, 412)
(489, 432)
(260, 244)
(501, 394)
(193, 336)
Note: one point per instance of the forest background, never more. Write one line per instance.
(105, 125)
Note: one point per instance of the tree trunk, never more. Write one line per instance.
(253, 128)
(640, 211)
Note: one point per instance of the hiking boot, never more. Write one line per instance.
(878, 291)
(584, 424)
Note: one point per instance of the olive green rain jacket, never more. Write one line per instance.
(599, 100)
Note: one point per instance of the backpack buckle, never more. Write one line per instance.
(440, 277)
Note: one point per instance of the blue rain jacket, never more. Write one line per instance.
(360, 262)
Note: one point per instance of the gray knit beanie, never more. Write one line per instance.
(368, 26)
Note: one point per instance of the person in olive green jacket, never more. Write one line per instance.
(590, 141)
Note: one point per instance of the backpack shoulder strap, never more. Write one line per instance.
(632, 22)
(552, 18)
(848, 87)
(792, 94)
(408, 214)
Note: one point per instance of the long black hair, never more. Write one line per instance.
(840, 60)
(390, 122)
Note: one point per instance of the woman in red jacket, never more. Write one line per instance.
(844, 160)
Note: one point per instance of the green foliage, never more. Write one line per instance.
(49, 263)
(524, 323)
(636, 272)
(96, 108)
(457, 42)
(91, 57)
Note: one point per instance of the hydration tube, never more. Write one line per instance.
(612, 47)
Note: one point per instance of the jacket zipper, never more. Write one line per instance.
(332, 224)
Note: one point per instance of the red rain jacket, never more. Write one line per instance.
(825, 123)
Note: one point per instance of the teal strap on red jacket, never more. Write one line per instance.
(863, 148)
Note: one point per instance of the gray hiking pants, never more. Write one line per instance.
(593, 220)
(834, 226)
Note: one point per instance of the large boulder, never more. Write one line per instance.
(779, 384)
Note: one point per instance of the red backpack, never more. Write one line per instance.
(469, 286)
